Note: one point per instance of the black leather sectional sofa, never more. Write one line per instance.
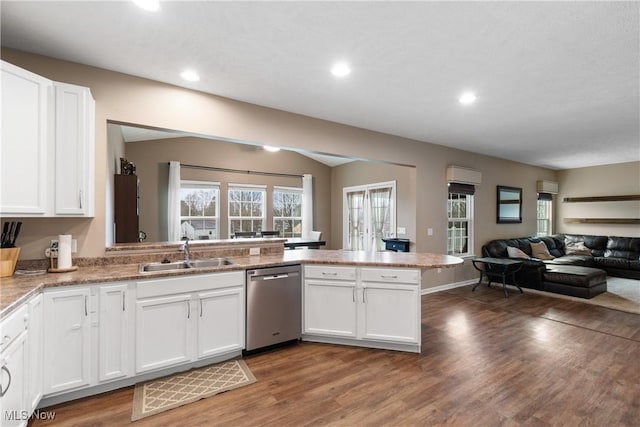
(577, 274)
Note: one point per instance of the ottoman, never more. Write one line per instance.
(583, 282)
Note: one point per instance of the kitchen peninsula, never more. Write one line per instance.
(109, 325)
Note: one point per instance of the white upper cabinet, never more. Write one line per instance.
(74, 150)
(26, 133)
(47, 153)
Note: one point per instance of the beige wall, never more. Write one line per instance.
(361, 173)
(134, 100)
(151, 158)
(610, 180)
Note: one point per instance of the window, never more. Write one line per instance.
(287, 211)
(460, 219)
(199, 209)
(246, 208)
(544, 214)
(369, 215)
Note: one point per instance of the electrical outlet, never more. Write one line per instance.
(254, 251)
(429, 231)
(401, 230)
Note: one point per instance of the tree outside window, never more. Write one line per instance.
(199, 210)
(246, 209)
(287, 211)
(459, 230)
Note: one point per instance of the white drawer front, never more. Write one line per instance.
(329, 272)
(390, 275)
(188, 283)
(13, 326)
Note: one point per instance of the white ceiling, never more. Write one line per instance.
(557, 82)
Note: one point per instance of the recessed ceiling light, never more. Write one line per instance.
(151, 5)
(271, 148)
(190, 75)
(340, 70)
(467, 98)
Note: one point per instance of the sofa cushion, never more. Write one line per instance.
(576, 248)
(555, 244)
(597, 244)
(612, 262)
(623, 247)
(516, 253)
(580, 260)
(539, 250)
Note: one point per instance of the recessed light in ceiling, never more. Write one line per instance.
(271, 148)
(151, 5)
(340, 70)
(467, 98)
(190, 76)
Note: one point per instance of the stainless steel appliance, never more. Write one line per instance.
(274, 306)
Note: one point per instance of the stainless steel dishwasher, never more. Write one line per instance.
(274, 306)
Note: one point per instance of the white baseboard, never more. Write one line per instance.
(448, 286)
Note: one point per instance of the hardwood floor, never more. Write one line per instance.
(486, 361)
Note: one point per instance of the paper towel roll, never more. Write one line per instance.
(64, 251)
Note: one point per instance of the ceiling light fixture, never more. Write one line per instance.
(467, 98)
(340, 70)
(271, 148)
(151, 5)
(190, 76)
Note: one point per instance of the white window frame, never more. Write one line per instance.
(209, 185)
(547, 218)
(292, 190)
(369, 234)
(468, 219)
(252, 188)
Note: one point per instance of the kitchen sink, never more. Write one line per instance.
(182, 265)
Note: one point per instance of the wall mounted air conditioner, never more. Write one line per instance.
(550, 187)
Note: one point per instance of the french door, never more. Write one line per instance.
(369, 215)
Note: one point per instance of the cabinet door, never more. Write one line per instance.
(220, 321)
(113, 348)
(163, 332)
(67, 340)
(330, 308)
(74, 142)
(35, 341)
(25, 135)
(390, 312)
(13, 369)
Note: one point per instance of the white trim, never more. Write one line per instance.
(448, 286)
(292, 189)
(256, 186)
(200, 183)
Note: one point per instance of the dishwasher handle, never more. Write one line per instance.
(275, 276)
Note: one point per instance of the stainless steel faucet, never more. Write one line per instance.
(185, 249)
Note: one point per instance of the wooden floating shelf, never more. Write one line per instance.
(602, 220)
(626, 198)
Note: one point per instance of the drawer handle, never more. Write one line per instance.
(123, 299)
(324, 273)
(188, 309)
(76, 327)
(200, 307)
(86, 312)
(3, 392)
(354, 294)
(388, 277)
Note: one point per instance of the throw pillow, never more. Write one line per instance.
(576, 248)
(540, 251)
(516, 253)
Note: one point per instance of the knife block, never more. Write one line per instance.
(8, 260)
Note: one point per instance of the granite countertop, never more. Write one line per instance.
(18, 289)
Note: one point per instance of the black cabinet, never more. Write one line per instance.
(126, 208)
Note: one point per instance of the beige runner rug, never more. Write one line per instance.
(170, 392)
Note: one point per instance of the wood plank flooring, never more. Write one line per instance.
(486, 361)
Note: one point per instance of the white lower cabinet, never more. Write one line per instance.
(67, 340)
(183, 319)
(14, 402)
(163, 332)
(372, 305)
(114, 351)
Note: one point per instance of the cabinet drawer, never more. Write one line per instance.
(390, 275)
(13, 326)
(329, 272)
(189, 283)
